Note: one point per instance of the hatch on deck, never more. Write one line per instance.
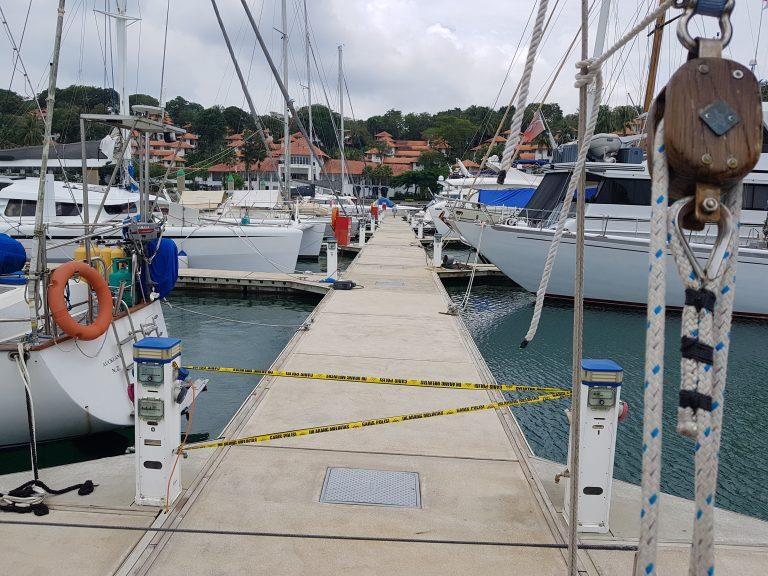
(371, 488)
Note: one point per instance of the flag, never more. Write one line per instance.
(535, 128)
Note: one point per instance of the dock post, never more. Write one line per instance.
(361, 234)
(332, 258)
(420, 229)
(601, 412)
(373, 224)
(437, 250)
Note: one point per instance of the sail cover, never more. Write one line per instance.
(514, 197)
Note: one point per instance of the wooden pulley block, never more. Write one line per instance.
(712, 125)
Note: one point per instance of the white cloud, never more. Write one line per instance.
(413, 55)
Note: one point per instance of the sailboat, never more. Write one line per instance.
(65, 366)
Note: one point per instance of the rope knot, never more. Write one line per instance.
(588, 70)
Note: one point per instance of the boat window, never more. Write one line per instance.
(67, 209)
(755, 197)
(765, 140)
(16, 208)
(4, 184)
(119, 208)
(626, 191)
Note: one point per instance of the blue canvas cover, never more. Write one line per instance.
(164, 268)
(12, 255)
(514, 197)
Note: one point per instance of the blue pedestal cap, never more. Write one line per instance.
(600, 365)
(601, 372)
(156, 343)
(156, 350)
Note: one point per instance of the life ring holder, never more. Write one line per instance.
(57, 303)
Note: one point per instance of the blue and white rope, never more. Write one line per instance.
(653, 394)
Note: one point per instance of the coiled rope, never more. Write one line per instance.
(591, 72)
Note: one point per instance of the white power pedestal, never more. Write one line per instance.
(600, 407)
(158, 420)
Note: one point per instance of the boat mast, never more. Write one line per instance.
(341, 115)
(309, 92)
(286, 112)
(586, 101)
(600, 34)
(658, 33)
(37, 260)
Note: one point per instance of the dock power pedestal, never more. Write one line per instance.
(600, 408)
(158, 394)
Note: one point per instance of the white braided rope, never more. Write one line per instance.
(525, 82)
(710, 329)
(591, 71)
(722, 336)
(581, 162)
(653, 395)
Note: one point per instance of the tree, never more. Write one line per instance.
(29, 130)
(142, 100)
(764, 90)
(435, 162)
(181, 111)
(415, 124)
(238, 120)
(457, 132)
(209, 125)
(391, 121)
(252, 152)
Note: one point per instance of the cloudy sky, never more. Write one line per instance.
(413, 55)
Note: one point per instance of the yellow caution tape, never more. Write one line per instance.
(380, 380)
(376, 421)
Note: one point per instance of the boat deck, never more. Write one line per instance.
(479, 483)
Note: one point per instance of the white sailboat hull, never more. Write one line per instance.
(247, 248)
(77, 388)
(615, 267)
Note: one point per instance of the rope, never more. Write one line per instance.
(705, 333)
(590, 73)
(310, 536)
(465, 300)
(522, 98)
(706, 322)
(654, 360)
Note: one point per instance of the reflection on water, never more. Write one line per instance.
(498, 318)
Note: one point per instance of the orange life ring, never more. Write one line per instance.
(57, 303)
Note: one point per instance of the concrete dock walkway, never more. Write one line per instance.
(478, 481)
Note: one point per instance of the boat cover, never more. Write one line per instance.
(12, 255)
(515, 197)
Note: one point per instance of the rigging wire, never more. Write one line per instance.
(165, 44)
(21, 42)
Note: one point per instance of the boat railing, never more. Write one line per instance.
(752, 235)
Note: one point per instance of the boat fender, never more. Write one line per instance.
(12, 255)
(623, 411)
(448, 262)
(343, 285)
(57, 302)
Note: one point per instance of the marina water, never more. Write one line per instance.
(497, 316)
